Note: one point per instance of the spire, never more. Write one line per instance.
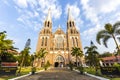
(49, 15)
(59, 27)
(70, 17)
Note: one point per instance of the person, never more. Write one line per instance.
(62, 65)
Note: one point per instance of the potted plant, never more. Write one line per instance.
(46, 65)
(71, 66)
(81, 69)
(33, 70)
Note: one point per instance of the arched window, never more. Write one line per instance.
(59, 42)
(42, 41)
(70, 24)
(73, 23)
(76, 41)
(48, 24)
(46, 41)
(73, 42)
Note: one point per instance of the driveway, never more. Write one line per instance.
(58, 74)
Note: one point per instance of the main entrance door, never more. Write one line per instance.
(59, 61)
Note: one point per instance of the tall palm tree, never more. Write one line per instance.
(92, 55)
(110, 31)
(77, 52)
(24, 54)
(41, 54)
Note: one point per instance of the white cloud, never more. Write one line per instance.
(99, 13)
(110, 6)
(21, 3)
(89, 11)
(54, 5)
(36, 10)
(36, 14)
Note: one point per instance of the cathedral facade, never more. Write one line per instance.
(58, 44)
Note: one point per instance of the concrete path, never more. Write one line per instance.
(58, 74)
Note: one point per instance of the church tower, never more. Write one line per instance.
(73, 35)
(45, 34)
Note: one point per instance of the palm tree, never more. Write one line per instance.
(24, 54)
(92, 55)
(77, 53)
(110, 31)
(5, 44)
(41, 54)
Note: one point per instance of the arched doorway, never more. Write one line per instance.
(59, 61)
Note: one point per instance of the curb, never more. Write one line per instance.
(98, 77)
(25, 75)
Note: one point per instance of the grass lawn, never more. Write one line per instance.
(91, 70)
(24, 70)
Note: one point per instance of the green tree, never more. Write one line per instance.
(41, 54)
(5, 44)
(92, 55)
(77, 52)
(24, 55)
(105, 54)
(110, 31)
(32, 58)
(7, 57)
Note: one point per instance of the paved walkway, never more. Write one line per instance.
(58, 74)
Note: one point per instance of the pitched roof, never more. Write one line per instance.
(110, 58)
(59, 31)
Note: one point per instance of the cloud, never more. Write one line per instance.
(35, 11)
(89, 11)
(21, 3)
(99, 13)
(54, 5)
(75, 13)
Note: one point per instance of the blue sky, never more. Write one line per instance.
(23, 19)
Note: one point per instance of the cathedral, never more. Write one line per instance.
(58, 44)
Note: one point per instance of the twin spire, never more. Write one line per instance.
(49, 18)
(70, 17)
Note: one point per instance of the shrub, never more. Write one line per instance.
(70, 65)
(117, 65)
(81, 69)
(46, 65)
(33, 70)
